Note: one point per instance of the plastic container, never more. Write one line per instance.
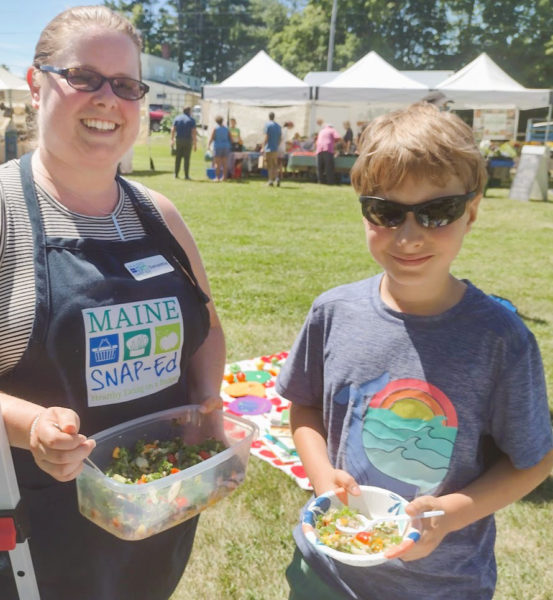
(210, 173)
(137, 511)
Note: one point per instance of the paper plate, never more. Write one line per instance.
(259, 376)
(250, 405)
(373, 502)
(245, 388)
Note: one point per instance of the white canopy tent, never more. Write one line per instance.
(13, 89)
(251, 92)
(372, 80)
(483, 84)
(261, 81)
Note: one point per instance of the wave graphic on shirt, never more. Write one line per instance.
(414, 451)
(409, 433)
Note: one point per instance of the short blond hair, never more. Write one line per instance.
(80, 18)
(421, 142)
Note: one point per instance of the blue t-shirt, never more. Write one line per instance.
(419, 405)
(184, 124)
(273, 131)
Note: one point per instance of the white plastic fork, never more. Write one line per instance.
(87, 459)
(368, 524)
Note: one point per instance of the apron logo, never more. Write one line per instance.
(132, 349)
(104, 350)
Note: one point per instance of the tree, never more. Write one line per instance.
(517, 37)
(143, 16)
(408, 34)
(212, 38)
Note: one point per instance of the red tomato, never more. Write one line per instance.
(172, 458)
(241, 376)
(204, 455)
(364, 537)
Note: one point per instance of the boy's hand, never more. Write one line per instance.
(56, 444)
(432, 530)
(341, 482)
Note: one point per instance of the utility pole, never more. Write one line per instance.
(331, 37)
(180, 26)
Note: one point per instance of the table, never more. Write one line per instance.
(307, 162)
(499, 171)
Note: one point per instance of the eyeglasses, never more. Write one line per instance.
(430, 214)
(86, 80)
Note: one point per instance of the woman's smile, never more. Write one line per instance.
(99, 124)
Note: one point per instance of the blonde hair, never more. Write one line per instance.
(80, 18)
(420, 142)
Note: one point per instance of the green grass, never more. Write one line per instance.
(268, 253)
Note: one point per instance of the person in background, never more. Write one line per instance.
(236, 140)
(220, 139)
(296, 142)
(324, 149)
(183, 139)
(75, 240)
(348, 138)
(283, 149)
(369, 348)
(271, 142)
(361, 127)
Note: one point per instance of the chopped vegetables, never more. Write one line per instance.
(149, 509)
(382, 536)
(154, 460)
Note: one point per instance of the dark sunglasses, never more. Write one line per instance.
(86, 80)
(430, 214)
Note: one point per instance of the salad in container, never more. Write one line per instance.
(326, 516)
(162, 469)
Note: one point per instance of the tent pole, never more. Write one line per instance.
(331, 37)
(20, 555)
(549, 111)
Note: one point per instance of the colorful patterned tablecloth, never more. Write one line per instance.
(248, 390)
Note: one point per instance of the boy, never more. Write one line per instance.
(416, 381)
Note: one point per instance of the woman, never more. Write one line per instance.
(236, 139)
(283, 149)
(80, 246)
(220, 138)
(348, 138)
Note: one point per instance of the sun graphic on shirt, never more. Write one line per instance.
(415, 399)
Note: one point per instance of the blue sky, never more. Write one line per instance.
(21, 22)
(20, 25)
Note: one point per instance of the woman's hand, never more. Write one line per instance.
(432, 530)
(56, 444)
(210, 404)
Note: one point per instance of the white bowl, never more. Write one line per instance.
(374, 502)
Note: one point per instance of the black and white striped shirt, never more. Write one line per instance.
(17, 284)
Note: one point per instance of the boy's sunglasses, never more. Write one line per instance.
(86, 80)
(430, 214)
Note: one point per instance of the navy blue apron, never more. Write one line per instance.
(81, 356)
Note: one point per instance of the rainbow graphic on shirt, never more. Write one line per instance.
(409, 432)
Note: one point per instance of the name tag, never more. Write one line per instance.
(148, 267)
